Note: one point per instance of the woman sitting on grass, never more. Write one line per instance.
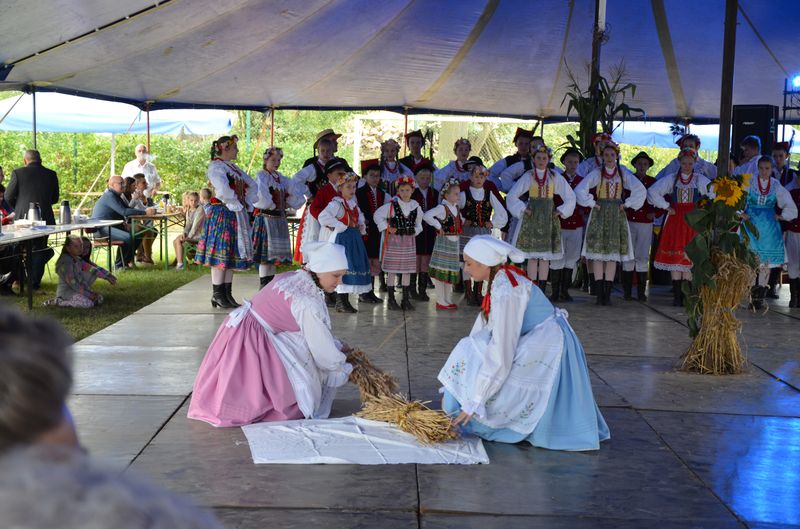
(76, 277)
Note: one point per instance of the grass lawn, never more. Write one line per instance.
(135, 289)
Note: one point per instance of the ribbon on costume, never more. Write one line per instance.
(508, 269)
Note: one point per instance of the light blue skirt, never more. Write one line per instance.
(571, 421)
(769, 243)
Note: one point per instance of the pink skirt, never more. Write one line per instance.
(242, 380)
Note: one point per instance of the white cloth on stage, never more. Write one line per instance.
(353, 441)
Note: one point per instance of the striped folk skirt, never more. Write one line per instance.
(445, 265)
(271, 243)
(218, 247)
(399, 253)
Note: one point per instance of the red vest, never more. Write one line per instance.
(647, 212)
(794, 225)
(576, 220)
(322, 199)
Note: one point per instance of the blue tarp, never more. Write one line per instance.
(64, 113)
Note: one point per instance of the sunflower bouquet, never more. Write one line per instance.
(722, 271)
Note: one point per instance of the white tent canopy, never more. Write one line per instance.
(65, 113)
(489, 57)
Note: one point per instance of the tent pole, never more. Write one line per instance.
(594, 82)
(114, 152)
(726, 91)
(33, 94)
(405, 129)
(272, 127)
(248, 124)
(147, 113)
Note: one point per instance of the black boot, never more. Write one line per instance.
(556, 278)
(477, 292)
(677, 294)
(566, 278)
(330, 299)
(264, 281)
(413, 288)
(405, 304)
(627, 285)
(218, 298)
(422, 286)
(774, 279)
(382, 279)
(599, 292)
(757, 297)
(592, 285)
(794, 293)
(343, 304)
(392, 303)
(459, 287)
(543, 285)
(607, 292)
(370, 297)
(430, 282)
(641, 286)
(229, 295)
(469, 293)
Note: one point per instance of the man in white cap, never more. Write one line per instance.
(521, 374)
(275, 358)
(142, 165)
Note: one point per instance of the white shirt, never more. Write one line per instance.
(562, 188)
(434, 216)
(628, 180)
(707, 169)
(381, 216)
(499, 215)
(329, 217)
(147, 169)
(301, 179)
(267, 182)
(665, 186)
(218, 171)
(397, 169)
(454, 169)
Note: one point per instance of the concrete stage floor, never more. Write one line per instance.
(686, 450)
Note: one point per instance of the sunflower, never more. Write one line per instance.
(728, 191)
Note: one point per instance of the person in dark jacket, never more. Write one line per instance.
(34, 183)
(111, 206)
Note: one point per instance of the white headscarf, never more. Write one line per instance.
(324, 256)
(491, 251)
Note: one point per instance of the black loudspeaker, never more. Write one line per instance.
(755, 120)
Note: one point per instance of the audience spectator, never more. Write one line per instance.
(192, 229)
(140, 200)
(38, 184)
(9, 253)
(111, 206)
(130, 187)
(76, 277)
(142, 164)
(46, 480)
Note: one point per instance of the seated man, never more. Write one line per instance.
(111, 206)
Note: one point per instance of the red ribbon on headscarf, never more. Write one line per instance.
(507, 268)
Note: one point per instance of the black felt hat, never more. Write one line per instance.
(571, 150)
(644, 155)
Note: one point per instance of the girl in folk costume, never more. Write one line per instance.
(445, 268)
(763, 195)
(684, 189)
(788, 179)
(522, 141)
(400, 220)
(482, 212)
(454, 169)
(308, 181)
(271, 243)
(227, 243)
(427, 198)
(415, 160)
(701, 166)
(343, 223)
(275, 358)
(608, 237)
(391, 169)
(792, 240)
(571, 231)
(595, 163)
(640, 222)
(521, 374)
(538, 235)
(370, 197)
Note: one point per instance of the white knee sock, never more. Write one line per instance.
(217, 276)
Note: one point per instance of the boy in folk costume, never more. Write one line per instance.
(427, 198)
(571, 231)
(400, 220)
(343, 223)
(788, 179)
(391, 168)
(454, 169)
(608, 237)
(538, 235)
(510, 175)
(703, 167)
(482, 211)
(307, 182)
(329, 137)
(685, 189)
(640, 222)
(445, 267)
(522, 141)
(370, 197)
(415, 141)
(271, 243)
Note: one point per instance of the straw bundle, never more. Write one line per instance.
(716, 350)
(427, 425)
(381, 402)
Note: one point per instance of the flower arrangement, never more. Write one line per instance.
(723, 268)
